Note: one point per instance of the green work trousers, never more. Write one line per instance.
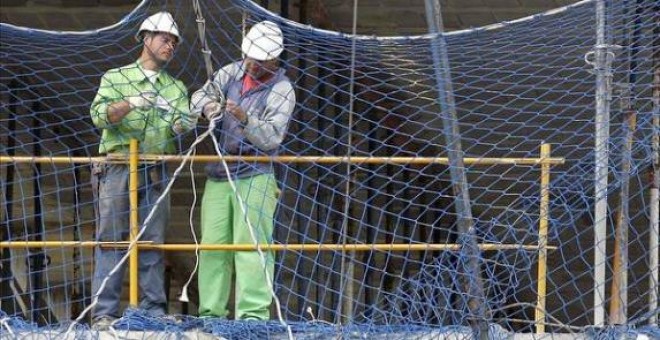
(224, 222)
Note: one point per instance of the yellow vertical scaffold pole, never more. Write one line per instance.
(543, 238)
(133, 201)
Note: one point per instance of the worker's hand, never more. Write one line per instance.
(163, 104)
(144, 100)
(177, 127)
(236, 110)
(212, 110)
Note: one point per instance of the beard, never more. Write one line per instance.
(158, 59)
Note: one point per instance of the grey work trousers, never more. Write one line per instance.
(110, 183)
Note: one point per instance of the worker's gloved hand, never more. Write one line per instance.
(163, 104)
(144, 100)
(178, 127)
(212, 110)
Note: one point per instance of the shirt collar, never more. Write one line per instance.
(142, 75)
(276, 75)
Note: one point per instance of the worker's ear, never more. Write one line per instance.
(147, 35)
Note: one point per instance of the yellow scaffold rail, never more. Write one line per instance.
(134, 221)
(274, 247)
(284, 159)
(543, 242)
(133, 158)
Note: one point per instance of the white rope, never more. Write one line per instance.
(201, 30)
(4, 322)
(184, 290)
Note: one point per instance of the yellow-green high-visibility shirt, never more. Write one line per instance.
(152, 127)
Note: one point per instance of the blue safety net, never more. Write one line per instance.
(440, 183)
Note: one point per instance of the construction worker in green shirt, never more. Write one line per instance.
(137, 101)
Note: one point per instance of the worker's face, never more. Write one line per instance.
(161, 46)
(257, 69)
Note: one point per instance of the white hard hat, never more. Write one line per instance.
(263, 42)
(159, 22)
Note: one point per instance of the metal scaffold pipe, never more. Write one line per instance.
(603, 57)
(471, 277)
(654, 225)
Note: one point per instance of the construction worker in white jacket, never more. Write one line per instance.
(251, 102)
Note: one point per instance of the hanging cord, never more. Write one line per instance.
(5, 323)
(206, 52)
(184, 289)
(344, 226)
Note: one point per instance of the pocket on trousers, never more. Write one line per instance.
(97, 172)
(157, 177)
